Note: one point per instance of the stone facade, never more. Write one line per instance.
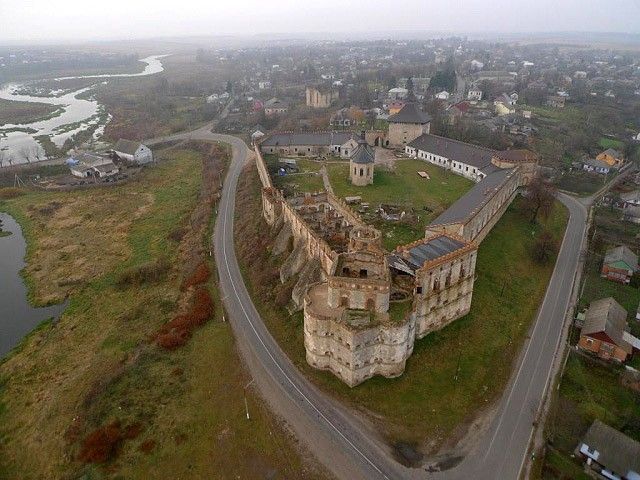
(400, 134)
(320, 98)
(363, 316)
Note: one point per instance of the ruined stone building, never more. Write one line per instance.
(321, 96)
(364, 307)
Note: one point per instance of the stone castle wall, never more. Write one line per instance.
(354, 354)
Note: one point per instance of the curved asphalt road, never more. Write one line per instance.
(339, 440)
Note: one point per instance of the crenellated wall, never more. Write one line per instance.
(354, 353)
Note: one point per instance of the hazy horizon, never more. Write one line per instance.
(75, 21)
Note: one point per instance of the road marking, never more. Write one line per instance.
(524, 358)
(224, 249)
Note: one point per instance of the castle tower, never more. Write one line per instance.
(361, 164)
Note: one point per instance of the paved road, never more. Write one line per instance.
(340, 441)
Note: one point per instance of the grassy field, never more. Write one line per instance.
(588, 391)
(97, 364)
(610, 143)
(308, 179)
(403, 186)
(583, 183)
(425, 405)
(24, 112)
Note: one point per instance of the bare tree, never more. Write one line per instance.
(544, 247)
(24, 153)
(540, 195)
(3, 157)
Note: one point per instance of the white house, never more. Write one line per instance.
(398, 93)
(443, 95)
(133, 151)
(257, 133)
(474, 93)
(85, 165)
(595, 165)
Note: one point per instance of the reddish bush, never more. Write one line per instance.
(132, 431)
(147, 446)
(102, 444)
(177, 332)
(199, 276)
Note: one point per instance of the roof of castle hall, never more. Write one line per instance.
(411, 258)
(363, 153)
(410, 113)
(307, 138)
(469, 203)
(479, 157)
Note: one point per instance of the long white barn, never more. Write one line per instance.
(470, 161)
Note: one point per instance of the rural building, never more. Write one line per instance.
(275, 106)
(630, 199)
(320, 96)
(595, 165)
(474, 94)
(86, 165)
(310, 144)
(619, 264)
(342, 118)
(611, 157)
(132, 151)
(398, 93)
(609, 453)
(604, 332)
(443, 95)
(361, 164)
(556, 101)
(407, 125)
(395, 106)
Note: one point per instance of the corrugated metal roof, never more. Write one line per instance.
(307, 138)
(416, 256)
(454, 150)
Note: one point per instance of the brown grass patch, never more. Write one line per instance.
(199, 276)
(177, 332)
(102, 444)
(10, 192)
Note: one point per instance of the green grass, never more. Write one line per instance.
(403, 186)
(25, 112)
(610, 143)
(566, 466)
(426, 404)
(588, 391)
(99, 361)
(308, 179)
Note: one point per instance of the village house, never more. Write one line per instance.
(610, 454)
(619, 264)
(342, 118)
(595, 165)
(407, 125)
(395, 106)
(631, 198)
(275, 106)
(605, 331)
(86, 165)
(398, 93)
(611, 157)
(556, 101)
(474, 94)
(132, 151)
(321, 96)
(443, 95)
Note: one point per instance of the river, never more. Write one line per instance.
(17, 316)
(17, 141)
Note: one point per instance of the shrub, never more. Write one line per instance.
(199, 276)
(146, 273)
(177, 332)
(102, 444)
(147, 446)
(10, 192)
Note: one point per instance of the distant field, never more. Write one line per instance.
(99, 363)
(610, 143)
(426, 404)
(24, 112)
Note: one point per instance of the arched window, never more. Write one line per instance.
(361, 171)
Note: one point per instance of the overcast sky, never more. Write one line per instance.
(51, 20)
